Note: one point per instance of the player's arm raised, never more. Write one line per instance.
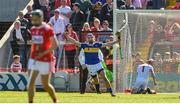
(77, 43)
(111, 43)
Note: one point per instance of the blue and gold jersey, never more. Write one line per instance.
(91, 52)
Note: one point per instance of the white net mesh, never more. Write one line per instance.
(149, 34)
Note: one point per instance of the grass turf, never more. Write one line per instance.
(42, 97)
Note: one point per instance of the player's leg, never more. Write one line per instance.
(83, 80)
(92, 71)
(134, 91)
(135, 87)
(92, 85)
(142, 89)
(45, 79)
(108, 85)
(96, 83)
(44, 69)
(149, 91)
(31, 84)
(139, 87)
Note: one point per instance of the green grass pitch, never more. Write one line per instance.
(42, 97)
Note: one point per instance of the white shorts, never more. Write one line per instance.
(42, 67)
(93, 69)
(140, 84)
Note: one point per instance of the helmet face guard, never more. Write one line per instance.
(37, 17)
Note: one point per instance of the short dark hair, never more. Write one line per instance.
(37, 12)
(76, 4)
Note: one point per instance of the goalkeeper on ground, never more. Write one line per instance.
(143, 72)
(92, 61)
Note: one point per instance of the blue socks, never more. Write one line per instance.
(109, 90)
(97, 88)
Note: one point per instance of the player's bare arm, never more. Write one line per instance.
(77, 43)
(153, 76)
(53, 47)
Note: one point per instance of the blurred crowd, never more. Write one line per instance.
(149, 4)
(79, 17)
(77, 11)
(163, 33)
(164, 29)
(76, 17)
(169, 62)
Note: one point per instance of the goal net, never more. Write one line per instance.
(148, 35)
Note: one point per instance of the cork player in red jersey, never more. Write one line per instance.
(43, 44)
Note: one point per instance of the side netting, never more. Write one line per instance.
(148, 35)
(122, 54)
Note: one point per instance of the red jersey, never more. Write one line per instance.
(57, 3)
(70, 47)
(41, 42)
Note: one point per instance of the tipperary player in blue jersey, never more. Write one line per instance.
(92, 59)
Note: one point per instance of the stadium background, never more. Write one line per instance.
(140, 42)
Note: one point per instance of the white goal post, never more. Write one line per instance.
(137, 36)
